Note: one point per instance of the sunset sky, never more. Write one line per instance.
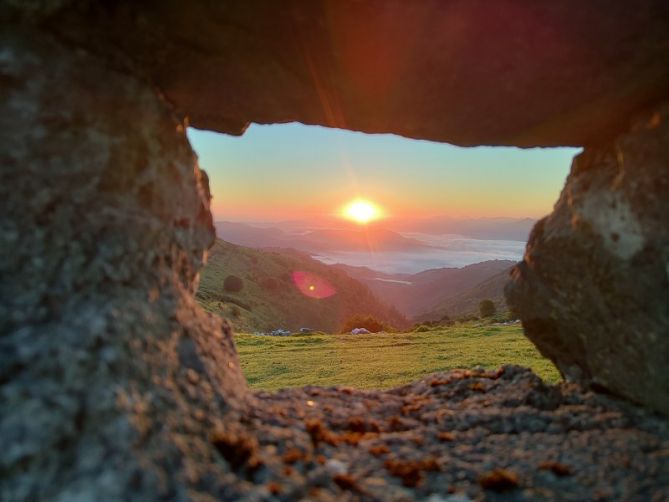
(292, 171)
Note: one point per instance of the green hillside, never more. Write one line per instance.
(466, 303)
(383, 360)
(451, 290)
(270, 298)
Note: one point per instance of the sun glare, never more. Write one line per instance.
(361, 211)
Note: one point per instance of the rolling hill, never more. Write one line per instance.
(449, 290)
(466, 303)
(285, 289)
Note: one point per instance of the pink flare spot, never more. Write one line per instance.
(312, 285)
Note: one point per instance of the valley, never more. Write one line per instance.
(269, 297)
(432, 294)
(421, 269)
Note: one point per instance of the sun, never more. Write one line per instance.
(361, 211)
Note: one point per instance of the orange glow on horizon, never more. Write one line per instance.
(361, 211)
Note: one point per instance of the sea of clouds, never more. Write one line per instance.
(448, 251)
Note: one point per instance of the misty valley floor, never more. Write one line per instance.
(384, 360)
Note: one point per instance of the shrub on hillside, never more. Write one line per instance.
(368, 322)
(233, 284)
(487, 308)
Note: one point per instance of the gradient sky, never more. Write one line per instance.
(293, 171)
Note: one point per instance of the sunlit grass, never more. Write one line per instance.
(383, 360)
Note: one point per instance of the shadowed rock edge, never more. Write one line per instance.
(593, 288)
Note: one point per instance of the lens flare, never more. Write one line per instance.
(361, 211)
(312, 285)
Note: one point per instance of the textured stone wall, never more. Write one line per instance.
(110, 375)
(593, 288)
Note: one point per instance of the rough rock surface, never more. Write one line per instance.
(458, 436)
(593, 288)
(470, 435)
(469, 72)
(106, 362)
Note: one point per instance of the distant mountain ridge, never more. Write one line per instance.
(517, 229)
(368, 238)
(497, 228)
(332, 234)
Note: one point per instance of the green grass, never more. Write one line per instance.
(383, 360)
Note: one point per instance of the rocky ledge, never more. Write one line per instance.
(462, 435)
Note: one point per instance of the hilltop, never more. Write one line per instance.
(270, 297)
(466, 303)
(431, 294)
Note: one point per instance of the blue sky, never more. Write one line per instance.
(297, 171)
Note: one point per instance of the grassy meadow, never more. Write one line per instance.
(383, 360)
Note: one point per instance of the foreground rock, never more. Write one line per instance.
(107, 364)
(593, 289)
(473, 435)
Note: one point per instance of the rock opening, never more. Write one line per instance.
(116, 386)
